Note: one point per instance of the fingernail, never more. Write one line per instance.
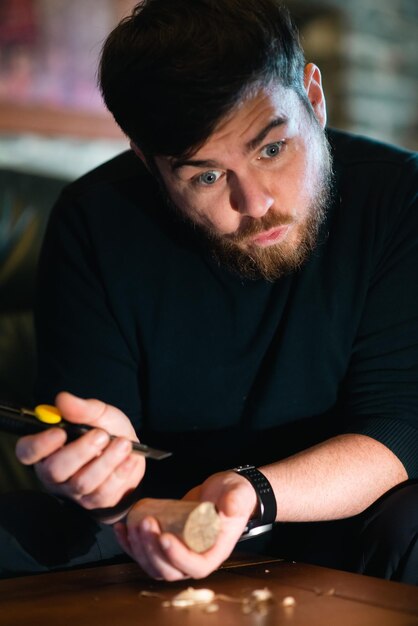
(100, 438)
(146, 525)
(123, 445)
(54, 434)
(166, 543)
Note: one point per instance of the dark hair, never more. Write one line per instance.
(171, 70)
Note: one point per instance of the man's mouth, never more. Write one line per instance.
(270, 237)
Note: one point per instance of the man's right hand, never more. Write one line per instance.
(94, 471)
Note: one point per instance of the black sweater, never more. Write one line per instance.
(133, 310)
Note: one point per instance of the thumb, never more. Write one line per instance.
(94, 413)
(231, 503)
(80, 411)
(193, 495)
(91, 412)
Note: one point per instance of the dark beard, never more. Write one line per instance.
(275, 261)
(272, 262)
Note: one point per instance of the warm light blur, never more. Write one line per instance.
(367, 52)
(49, 51)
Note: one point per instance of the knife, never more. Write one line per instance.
(21, 421)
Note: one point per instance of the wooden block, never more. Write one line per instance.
(197, 524)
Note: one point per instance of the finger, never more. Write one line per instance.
(151, 533)
(58, 467)
(115, 485)
(192, 565)
(121, 535)
(146, 548)
(143, 546)
(201, 565)
(137, 545)
(34, 448)
(91, 475)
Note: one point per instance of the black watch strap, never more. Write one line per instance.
(266, 502)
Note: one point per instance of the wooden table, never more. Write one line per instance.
(120, 595)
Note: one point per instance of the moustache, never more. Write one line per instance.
(251, 226)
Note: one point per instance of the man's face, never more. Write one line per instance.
(259, 185)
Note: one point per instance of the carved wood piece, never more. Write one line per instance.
(197, 524)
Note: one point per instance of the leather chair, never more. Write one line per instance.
(25, 202)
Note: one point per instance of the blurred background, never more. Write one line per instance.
(54, 128)
(52, 118)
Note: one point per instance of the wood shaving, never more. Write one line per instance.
(150, 594)
(193, 597)
(261, 595)
(222, 596)
(326, 592)
(258, 600)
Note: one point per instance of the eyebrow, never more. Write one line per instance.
(249, 146)
(253, 143)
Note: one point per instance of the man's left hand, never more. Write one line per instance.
(163, 555)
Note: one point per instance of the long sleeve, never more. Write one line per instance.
(82, 345)
(381, 386)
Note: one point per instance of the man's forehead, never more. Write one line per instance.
(256, 101)
(250, 119)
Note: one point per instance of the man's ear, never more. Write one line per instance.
(139, 154)
(313, 86)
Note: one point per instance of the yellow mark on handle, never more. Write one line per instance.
(47, 414)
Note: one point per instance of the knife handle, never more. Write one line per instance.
(21, 425)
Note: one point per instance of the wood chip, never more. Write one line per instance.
(150, 594)
(258, 600)
(324, 592)
(193, 597)
(261, 595)
(330, 592)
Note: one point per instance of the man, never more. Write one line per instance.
(242, 287)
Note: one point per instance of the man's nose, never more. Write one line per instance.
(250, 197)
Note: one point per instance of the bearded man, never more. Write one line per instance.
(239, 288)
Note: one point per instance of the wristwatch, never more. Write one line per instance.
(267, 507)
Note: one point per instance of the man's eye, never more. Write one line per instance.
(208, 178)
(272, 150)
